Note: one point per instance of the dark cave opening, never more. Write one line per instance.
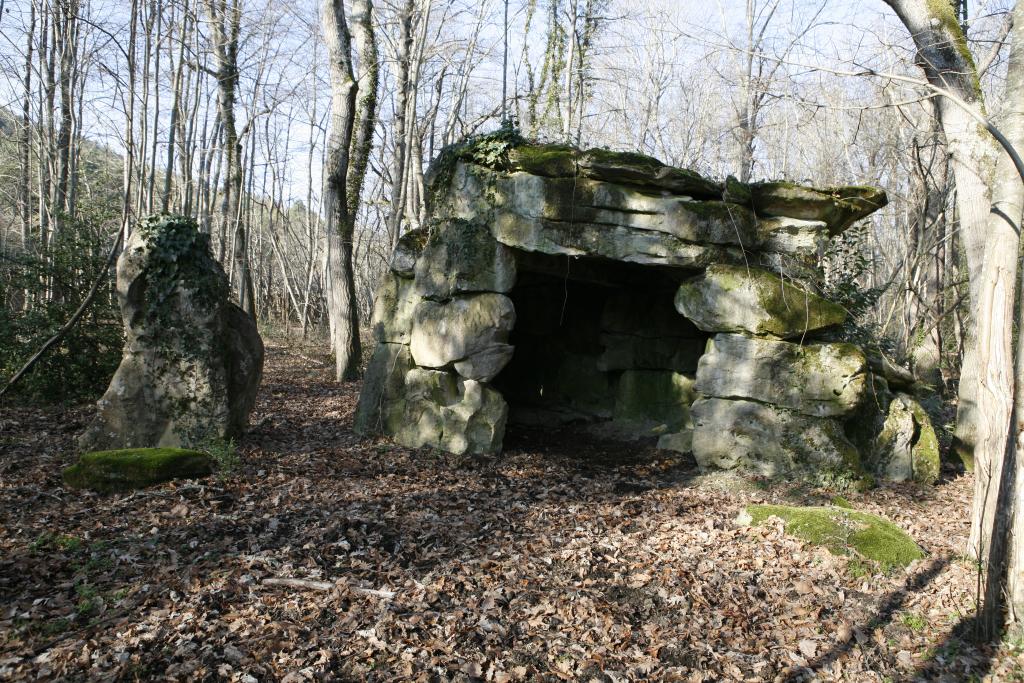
(599, 348)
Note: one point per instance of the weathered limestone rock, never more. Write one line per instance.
(768, 439)
(680, 442)
(626, 168)
(136, 468)
(580, 202)
(822, 380)
(839, 207)
(753, 301)
(410, 246)
(383, 386)
(393, 308)
(806, 239)
(614, 242)
(461, 258)
(441, 410)
(907, 448)
(192, 360)
(472, 330)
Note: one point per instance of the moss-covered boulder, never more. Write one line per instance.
(407, 251)
(906, 448)
(839, 207)
(845, 532)
(749, 300)
(135, 468)
(823, 380)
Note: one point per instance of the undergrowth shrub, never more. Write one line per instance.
(38, 294)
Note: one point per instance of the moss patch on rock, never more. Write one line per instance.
(845, 532)
(552, 161)
(135, 468)
(754, 301)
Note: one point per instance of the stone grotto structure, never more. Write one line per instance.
(192, 360)
(555, 286)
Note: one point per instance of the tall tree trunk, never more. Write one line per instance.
(226, 23)
(25, 195)
(399, 135)
(947, 64)
(129, 125)
(341, 290)
(1006, 546)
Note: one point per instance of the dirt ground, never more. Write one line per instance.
(564, 559)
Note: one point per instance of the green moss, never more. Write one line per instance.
(602, 156)
(415, 240)
(552, 161)
(133, 468)
(925, 453)
(944, 12)
(841, 502)
(788, 308)
(845, 532)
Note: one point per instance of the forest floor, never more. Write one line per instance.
(563, 559)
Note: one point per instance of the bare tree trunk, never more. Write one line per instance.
(25, 195)
(226, 23)
(1006, 546)
(401, 104)
(129, 124)
(947, 64)
(342, 309)
(165, 201)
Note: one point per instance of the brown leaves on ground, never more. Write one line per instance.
(564, 559)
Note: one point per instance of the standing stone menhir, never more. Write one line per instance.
(192, 359)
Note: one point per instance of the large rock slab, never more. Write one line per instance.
(470, 330)
(770, 440)
(192, 360)
(839, 207)
(753, 301)
(822, 380)
(463, 257)
(441, 410)
(607, 241)
(588, 202)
